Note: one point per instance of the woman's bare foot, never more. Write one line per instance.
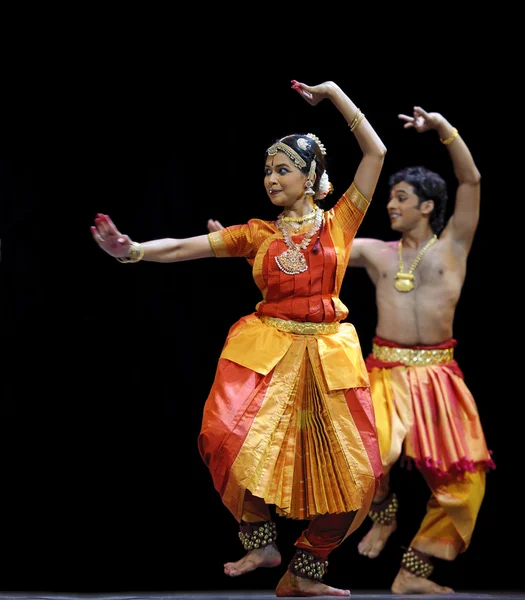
(408, 583)
(292, 586)
(375, 540)
(269, 556)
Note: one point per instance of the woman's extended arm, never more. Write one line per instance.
(164, 250)
(373, 149)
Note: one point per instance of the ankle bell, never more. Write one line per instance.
(305, 564)
(384, 512)
(257, 535)
(417, 563)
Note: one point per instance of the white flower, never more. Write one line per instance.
(324, 186)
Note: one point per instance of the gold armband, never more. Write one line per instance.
(450, 139)
(136, 253)
(358, 117)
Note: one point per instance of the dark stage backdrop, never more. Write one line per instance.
(107, 366)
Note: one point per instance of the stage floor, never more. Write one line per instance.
(259, 595)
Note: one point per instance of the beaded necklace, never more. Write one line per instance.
(293, 261)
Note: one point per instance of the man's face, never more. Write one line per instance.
(403, 207)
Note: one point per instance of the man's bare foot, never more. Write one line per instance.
(408, 583)
(375, 540)
(269, 556)
(292, 586)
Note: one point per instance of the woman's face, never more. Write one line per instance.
(283, 181)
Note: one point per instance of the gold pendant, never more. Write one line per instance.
(292, 262)
(404, 282)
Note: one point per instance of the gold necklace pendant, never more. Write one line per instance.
(404, 282)
(292, 262)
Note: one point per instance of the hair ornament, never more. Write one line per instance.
(298, 161)
(303, 143)
(313, 137)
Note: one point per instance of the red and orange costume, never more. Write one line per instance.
(289, 419)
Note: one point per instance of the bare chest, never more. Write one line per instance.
(411, 269)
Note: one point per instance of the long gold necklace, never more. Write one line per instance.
(405, 281)
(293, 261)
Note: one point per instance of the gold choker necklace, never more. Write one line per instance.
(308, 217)
(405, 281)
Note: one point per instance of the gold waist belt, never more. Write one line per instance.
(413, 358)
(301, 328)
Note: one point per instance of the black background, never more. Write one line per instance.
(107, 366)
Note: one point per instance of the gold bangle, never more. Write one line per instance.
(358, 122)
(450, 139)
(353, 123)
(136, 253)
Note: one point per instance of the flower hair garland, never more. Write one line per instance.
(325, 187)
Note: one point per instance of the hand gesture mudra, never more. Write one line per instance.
(214, 225)
(109, 238)
(313, 94)
(421, 120)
